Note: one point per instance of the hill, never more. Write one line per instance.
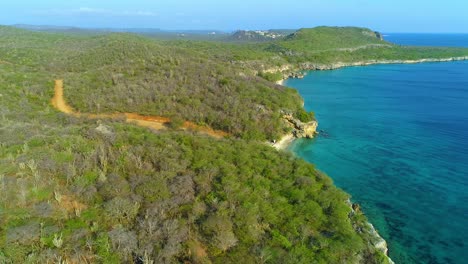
(326, 38)
(315, 48)
(124, 73)
(104, 191)
(75, 189)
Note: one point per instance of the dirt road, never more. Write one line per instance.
(153, 122)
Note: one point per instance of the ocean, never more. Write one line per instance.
(424, 39)
(395, 137)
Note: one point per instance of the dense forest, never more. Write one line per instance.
(75, 190)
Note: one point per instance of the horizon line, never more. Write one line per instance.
(213, 29)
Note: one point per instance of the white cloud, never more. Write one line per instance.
(97, 11)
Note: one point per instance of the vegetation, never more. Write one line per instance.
(326, 38)
(121, 73)
(271, 76)
(259, 35)
(103, 191)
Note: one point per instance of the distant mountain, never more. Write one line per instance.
(152, 32)
(71, 28)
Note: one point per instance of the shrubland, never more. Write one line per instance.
(103, 191)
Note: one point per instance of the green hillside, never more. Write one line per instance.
(326, 38)
(83, 190)
(316, 46)
(125, 73)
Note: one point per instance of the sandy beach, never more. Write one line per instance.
(280, 82)
(284, 142)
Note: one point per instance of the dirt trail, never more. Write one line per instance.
(5, 62)
(153, 122)
(58, 101)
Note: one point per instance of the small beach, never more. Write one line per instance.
(284, 142)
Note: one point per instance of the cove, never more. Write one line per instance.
(395, 137)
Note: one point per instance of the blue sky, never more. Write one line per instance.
(382, 15)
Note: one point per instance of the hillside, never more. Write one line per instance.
(315, 48)
(123, 73)
(105, 191)
(331, 45)
(326, 38)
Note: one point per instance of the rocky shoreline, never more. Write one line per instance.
(298, 130)
(376, 240)
(337, 65)
(290, 71)
(309, 130)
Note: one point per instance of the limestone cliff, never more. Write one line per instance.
(301, 129)
(337, 65)
(298, 71)
(374, 237)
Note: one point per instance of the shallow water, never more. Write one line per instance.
(396, 138)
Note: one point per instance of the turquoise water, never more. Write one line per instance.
(396, 138)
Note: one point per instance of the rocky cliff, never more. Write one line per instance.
(374, 237)
(300, 129)
(297, 71)
(337, 65)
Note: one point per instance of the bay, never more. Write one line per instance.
(396, 138)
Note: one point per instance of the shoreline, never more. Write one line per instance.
(377, 241)
(288, 139)
(292, 71)
(337, 65)
(280, 82)
(284, 142)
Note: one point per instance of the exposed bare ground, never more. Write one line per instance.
(71, 205)
(5, 62)
(153, 122)
(198, 252)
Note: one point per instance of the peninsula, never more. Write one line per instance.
(153, 150)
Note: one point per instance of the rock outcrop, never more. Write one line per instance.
(301, 129)
(375, 239)
(379, 35)
(337, 65)
(290, 71)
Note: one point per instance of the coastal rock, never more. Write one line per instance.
(283, 68)
(300, 129)
(296, 75)
(378, 242)
(379, 35)
(356, 208)
(337, 65)
(375, 239)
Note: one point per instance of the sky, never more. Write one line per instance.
(424, 16)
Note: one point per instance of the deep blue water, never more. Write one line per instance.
(444, 40)
(396, 138)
